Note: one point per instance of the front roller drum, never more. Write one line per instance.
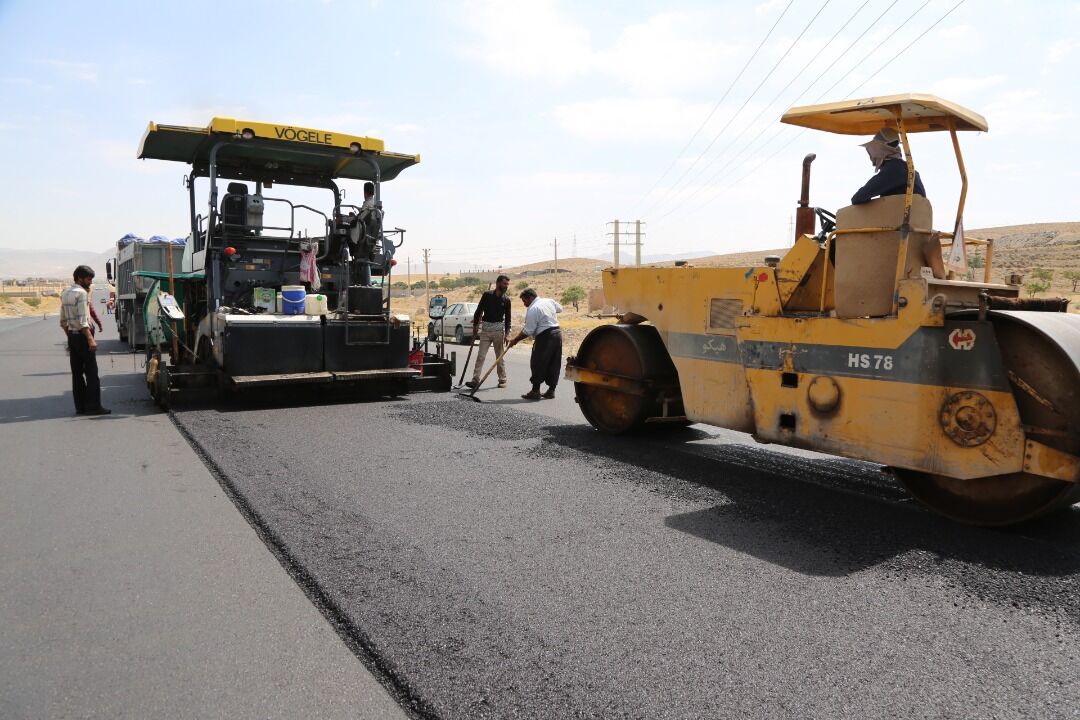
(643, 382)
(1040, 352)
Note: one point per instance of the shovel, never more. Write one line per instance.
(465, 367)
(471, 395)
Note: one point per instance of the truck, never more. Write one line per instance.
(270, 227)
(134, 254)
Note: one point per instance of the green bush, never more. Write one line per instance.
(573, 295)
(32, 301)
(521, 285)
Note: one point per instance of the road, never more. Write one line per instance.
(130, 585)
(502, 559)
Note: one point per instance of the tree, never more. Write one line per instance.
(1043, 274)
(1073, 275)
(470, 280)
(448, 282)
(522, 284)
(400, 286)
(976, 261)
(573, 295)
(1036, 286)
(418, 285)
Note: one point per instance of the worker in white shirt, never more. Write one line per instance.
(75, 322)
(543, 327)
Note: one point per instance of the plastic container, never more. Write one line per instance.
(293, 298)
(265, 298)
(316, 304)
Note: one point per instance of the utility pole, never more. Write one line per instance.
(637, 242)
(617, 241)
(791, 230)
(427, 281)
(408, 273)
(573, 246)
(556, 265)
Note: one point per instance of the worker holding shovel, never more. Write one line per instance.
(543, 327)
(491, 325)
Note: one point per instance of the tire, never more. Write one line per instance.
(459, 335)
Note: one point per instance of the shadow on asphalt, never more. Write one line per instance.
(124, 393)
(278, 398)
(827, 516)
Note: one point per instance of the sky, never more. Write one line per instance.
(538, 120)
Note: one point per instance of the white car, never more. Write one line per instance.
(456, 323)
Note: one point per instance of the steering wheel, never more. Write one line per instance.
(828, 223)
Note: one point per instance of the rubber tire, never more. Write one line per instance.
(459, 335)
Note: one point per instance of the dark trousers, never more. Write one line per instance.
(85, 385)
(546, 360)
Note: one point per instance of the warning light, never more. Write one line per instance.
(230, 251)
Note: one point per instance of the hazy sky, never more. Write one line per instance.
(536, 119)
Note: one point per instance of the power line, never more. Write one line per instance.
(852, 92)
(750, 97)
(846, 50)
(716, 106)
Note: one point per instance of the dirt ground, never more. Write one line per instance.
(18, 307)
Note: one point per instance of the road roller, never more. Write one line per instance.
(860, 342)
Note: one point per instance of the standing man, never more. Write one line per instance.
(491, 324)
(542, 326)
(75, 322)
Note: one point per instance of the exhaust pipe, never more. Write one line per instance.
(805, 220)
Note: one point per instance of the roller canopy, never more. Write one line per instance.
(921, 113)
(265, 151)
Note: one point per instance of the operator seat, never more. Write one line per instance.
(866, 261)
(234, 208)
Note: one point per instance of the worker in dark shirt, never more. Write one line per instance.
(891, 175)
(491, 324)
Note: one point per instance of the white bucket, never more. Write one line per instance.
(315, 304)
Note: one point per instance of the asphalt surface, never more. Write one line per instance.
(502, 559)
(130, 585)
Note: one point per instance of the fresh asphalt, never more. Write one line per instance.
(502, 559)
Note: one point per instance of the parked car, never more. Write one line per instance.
(456, 323)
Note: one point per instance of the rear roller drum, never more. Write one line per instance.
(1046, 385)
(634, 352)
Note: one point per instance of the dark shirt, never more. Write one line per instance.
(891, 179)
(493, 308)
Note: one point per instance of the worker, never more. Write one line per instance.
(491, 327)
(890, 177)
(75, 322)
(369, 229)
(543, 327)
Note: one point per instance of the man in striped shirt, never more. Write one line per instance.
(75, 322)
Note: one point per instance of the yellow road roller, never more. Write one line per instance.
(858, 342)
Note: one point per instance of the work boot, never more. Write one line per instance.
(472, 384)
(531, 395)
(502, 383)
(98, 411)
(549, 395)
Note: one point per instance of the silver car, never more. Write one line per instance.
(456, 323)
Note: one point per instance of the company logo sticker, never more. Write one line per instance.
(962, 339)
